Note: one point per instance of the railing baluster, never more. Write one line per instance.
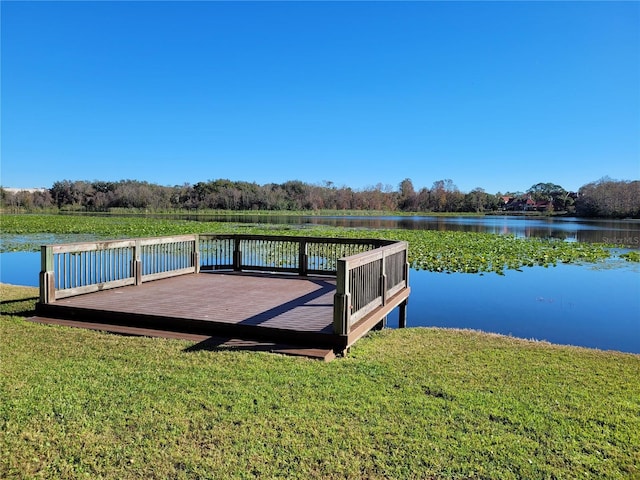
(67, 262)
(74, 268)
(56, 269)
(97, 266)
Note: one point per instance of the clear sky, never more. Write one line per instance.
(497, 95)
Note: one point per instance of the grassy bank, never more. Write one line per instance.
(414, 403)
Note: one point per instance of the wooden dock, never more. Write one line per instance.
(317, 315)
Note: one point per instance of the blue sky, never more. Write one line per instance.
(497, 95)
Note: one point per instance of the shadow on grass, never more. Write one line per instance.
(216, 344)
(22, 307)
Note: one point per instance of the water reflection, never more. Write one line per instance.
(625, 232)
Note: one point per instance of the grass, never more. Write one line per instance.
(413, 403)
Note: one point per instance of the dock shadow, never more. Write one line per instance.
(27, 311)
(304, 300)
(218, 344)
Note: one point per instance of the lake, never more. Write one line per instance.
(625, 232)
(586, 305)
(591, 305)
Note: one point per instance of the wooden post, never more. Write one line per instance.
(382, 324)
(407, 269)
(302, 258)
(341, 308)
(342, 300)
(383, 289)
(47, 276)
(195, 257)
(383, 278)
(136, 263)
(402, 314)
(237, 255)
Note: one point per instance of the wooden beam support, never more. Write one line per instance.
(402, 314)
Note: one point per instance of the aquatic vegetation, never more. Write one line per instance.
(481, 252)
(440, 251)
(632, 256)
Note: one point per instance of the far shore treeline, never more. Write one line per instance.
(603, 198)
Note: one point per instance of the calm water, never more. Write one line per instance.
(20, 268)
(595, 306)
(585, 305)
(626, 232)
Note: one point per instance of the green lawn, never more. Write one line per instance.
(413, 403)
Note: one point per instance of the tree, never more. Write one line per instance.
(609, 198)
(556, 196)
(476, 200)
(407, 200)
(63, 193)
(605, 197)
(545, 191)
(445, 196)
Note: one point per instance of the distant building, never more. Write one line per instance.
(28, 190)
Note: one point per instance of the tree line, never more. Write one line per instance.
(603, 198)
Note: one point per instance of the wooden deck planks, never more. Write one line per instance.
(293, 303)
(281, 313)
(282, 309)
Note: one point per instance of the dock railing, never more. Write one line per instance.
(367, 281)
(78, 268)
(368, 272)
(285, 254)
